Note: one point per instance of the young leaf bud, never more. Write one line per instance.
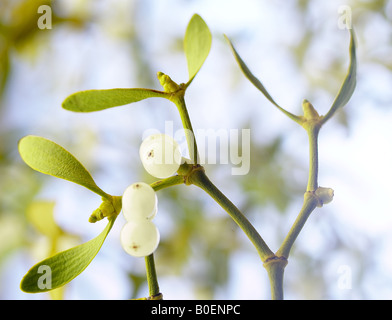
(310, 112)
(167, 83)
(106, 209)
(324, 195)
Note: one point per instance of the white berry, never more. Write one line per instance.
(160, 155)
(139, 202)
(139, 238)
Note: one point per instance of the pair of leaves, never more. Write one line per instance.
(343, 96)
(197, 44)
(49, 158)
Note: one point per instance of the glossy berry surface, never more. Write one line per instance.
(139, 238)
(139, 202)
(160, 155)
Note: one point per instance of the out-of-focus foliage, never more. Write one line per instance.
(19, 31)
(20, 38)
(200, 239)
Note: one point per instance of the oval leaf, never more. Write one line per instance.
(63, 267)
(96, 100)
(49, 158)
(349, 83)
(197, 44)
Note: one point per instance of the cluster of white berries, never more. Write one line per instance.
(139, 236)
(161, 157)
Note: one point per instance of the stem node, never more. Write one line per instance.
(275, 267)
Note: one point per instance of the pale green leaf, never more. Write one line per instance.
(63, 267)
(96, 100)
(197, 44)
(49, 158)
(349, 83)
(256, 82)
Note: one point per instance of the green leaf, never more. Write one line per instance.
(49, 158)
(349, 83)
(63, 267)
(96, 100)
(197, 45)
(256, 82)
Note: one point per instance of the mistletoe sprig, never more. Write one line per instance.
(315, 196)
(47, 157)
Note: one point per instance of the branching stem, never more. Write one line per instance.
(313, 131)
(200, 179)
(310, 203)
(179, 101)
(275, 267)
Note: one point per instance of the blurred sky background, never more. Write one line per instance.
(297, 49)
